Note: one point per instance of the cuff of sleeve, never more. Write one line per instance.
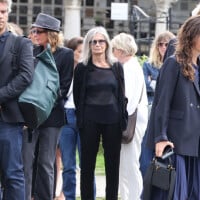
(161, 138)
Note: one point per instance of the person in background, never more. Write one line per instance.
(98, 101)
(12, 83)
(172, 43)
(69, 138)
(46, 29)
(15, 29)
(151, 70)
(130, 178)
(175, 115)
(152, 66)
(31, 36)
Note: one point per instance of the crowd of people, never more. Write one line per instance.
(96, 76)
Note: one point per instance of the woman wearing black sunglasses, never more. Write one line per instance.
(46, 30)
(97, 95)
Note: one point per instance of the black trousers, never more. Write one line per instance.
(47, 139)
(90, 136)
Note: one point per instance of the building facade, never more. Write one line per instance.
(98, 12)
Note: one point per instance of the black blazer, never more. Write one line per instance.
(79, 89)
(64, 58)
(175, 114)
(13, 84)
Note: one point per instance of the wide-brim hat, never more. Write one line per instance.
(47, 22)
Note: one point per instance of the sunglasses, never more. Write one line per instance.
(161, 44)
(94, 42)
(36, 31)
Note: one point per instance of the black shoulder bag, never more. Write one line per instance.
(161, 174)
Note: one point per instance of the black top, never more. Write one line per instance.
(83, 83)
(101, 92)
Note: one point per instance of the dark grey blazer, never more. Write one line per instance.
(175, 114)
(12, 85)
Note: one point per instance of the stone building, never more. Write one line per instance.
(78, 16)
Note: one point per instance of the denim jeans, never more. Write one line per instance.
(12, 174)
(69, 141)
(146, 156)
(47, 139)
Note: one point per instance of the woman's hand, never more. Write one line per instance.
(160, 146)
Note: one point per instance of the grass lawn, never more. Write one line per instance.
(100, 169)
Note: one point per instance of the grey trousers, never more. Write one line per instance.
(47, 139)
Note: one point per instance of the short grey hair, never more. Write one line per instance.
(126, 43)
(9, 3)
(86, 53)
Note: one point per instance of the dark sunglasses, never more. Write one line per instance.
(94, 42)
(36, 31)
(161, 44)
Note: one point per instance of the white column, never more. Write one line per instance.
(72, 22)
(162, 7)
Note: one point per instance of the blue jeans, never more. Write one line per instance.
(69, 140)
(146, 156)
(12, 174)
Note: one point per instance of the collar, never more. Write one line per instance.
(4, 36)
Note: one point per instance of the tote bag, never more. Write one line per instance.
(38, 100)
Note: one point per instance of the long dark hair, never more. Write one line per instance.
(187, 35)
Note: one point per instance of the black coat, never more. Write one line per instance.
(64, 58)
(175, 114)
(79, 89)
(11, 84)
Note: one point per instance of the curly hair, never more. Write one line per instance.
(187, 35)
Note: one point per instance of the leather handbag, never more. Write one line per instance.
(160, 174)
(127, 135)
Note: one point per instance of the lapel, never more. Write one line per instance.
(196, 85)
(197, 79)
(7, 47)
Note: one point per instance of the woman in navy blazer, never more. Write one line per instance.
(175, 116)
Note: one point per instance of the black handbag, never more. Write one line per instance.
(161, 174)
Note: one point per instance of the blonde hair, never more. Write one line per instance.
(14, 28)
(55, 39)
(126, 43)
(155, 57)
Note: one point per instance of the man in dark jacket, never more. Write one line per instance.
(12, 84)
